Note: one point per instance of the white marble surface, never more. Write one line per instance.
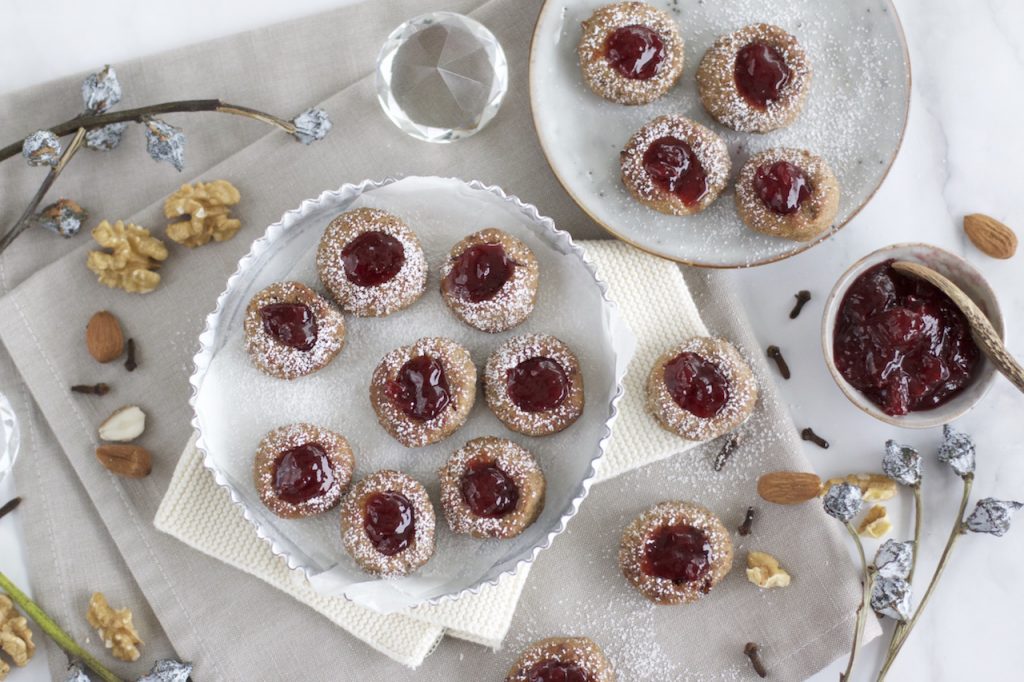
(961, 154)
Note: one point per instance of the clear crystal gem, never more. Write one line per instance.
(9, 437)
(441, 76)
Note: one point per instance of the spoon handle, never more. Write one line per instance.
(981, 329)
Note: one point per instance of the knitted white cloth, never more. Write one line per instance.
(199, 512)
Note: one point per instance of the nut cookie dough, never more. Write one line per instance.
(701, 389)
(490, 280)
(292, 331)
(754, 80)
(371, 262)
(630, 52)
(788, 193)
(562, 658)
(675, 552)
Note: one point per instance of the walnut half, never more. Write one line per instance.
(764, 571)
(133, 256)
(876, 523)
(15, 636)
(203, 210)
(115, 628)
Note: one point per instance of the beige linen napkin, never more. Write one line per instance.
(199, 512)
(89, 529)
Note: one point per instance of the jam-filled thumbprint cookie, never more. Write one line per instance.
(533, 384)
(788, 193)
(424, 392)
(562, 659)
(387, 524)
(675, 165)
(302, 470)
(630, 52)
(754, 80)
(292, 331)
(371, 262)
(491, 488)
(701, 389)
(490, 280)
(675, 552)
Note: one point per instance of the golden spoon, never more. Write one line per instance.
(981, 329)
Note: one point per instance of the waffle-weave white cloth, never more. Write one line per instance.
(200, 513)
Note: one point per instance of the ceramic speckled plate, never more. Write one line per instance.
(854, 117)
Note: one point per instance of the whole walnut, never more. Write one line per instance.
(133, 256)
(205, 212)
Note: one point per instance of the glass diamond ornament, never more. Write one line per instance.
(9, 437)
(441, 76)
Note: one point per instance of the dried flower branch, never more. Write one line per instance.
(100, 130)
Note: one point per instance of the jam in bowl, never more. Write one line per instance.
(898, 347)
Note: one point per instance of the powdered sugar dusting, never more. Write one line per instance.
(383, 299)
(292, 436)
(515, 462)
(582, 651)
(606, 81)
(717, 82)
(511, 353)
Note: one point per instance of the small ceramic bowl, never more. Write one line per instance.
(964, 276)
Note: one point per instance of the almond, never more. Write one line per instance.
(131, 461)
(990, 235)
(788, 487)
(126, 424)
(104, 338)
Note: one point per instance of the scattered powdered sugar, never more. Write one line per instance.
(717, 81)
(513, 302)
(383, 299)
(277, 359)
(708, 147)
(511, 353)
(608, 82)
(853, 117)
(515, 462)
(353, 531)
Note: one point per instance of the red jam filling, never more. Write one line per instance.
(537, 384)
(421, 388)
(761, 73)
(293, 324)
(389, 521)
(678, 553)
(635, 52)
(372, 258)
(696, 384)
(480, 272)
(782, 186)
(553, 670)
(674, 168)
(902, 342)
(487, 490)
(303, 473)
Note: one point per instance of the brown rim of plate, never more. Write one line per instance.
(901, 34)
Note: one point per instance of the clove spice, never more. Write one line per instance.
(802, 297)
(91, 389)
(729, 447)
(130, 364)
(753, 653)
(808, 434)
(776, 354)
(9, 506)
(748, 522)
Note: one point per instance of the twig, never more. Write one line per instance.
(25, 221)
(9, 506)
(901, 626)
(954, 535)
(189, 105)
(54, 631)
(862, 610)
(728, 448)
